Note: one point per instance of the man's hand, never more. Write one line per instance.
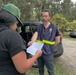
(30, 43)
(57, 40)
(33, 39)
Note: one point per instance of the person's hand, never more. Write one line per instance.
(38, 53)
(30, 43)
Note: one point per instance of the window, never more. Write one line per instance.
(27, 28)
(33, 28)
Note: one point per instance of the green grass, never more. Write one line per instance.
(59, 69)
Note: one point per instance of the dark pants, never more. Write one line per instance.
(48, 61)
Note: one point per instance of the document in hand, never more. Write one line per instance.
(34, 47)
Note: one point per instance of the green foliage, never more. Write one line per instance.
(67, 6)
(63, 12)
(73, 25)
(28, 7)
(60, 21)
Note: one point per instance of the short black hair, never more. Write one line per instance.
(46, 10)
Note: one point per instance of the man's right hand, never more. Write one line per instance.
(30, 43)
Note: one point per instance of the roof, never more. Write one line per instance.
(32, 22)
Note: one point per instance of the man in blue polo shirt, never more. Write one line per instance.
(49, 35)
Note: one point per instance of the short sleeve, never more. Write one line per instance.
(38, 28)
(15, 43)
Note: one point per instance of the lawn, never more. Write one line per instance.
(59, 69)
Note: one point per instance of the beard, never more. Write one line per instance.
(44, 23)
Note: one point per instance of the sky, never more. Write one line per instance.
(73, 1)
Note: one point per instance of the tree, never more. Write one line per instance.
(31, 9)
(73, 13)
(60, 21)
(66, 6)
(73, 25)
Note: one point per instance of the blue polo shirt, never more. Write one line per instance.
(47, 34)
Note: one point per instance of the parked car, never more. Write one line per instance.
(73, 34)
(27, 31)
